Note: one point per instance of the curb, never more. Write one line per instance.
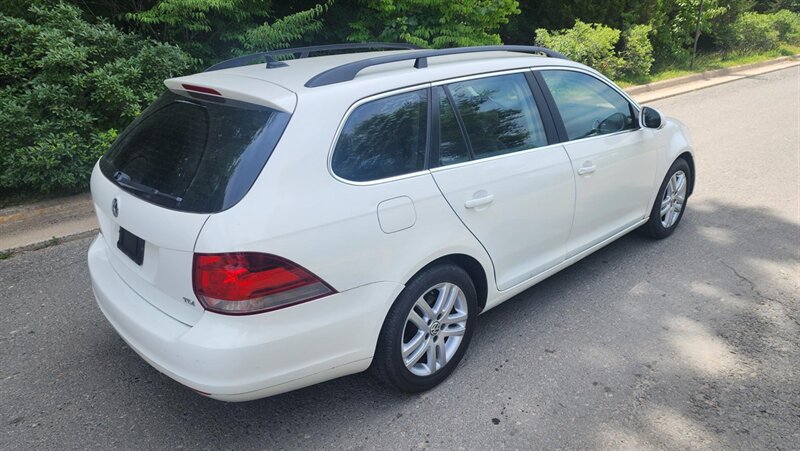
(25, 212)
(40, 224)
(707, 75)
(55, 241)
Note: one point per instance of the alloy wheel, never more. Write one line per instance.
(673, 199)
(434, 329)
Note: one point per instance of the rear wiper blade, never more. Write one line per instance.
(124, 180)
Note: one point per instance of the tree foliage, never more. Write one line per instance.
(66, 87)
(759, 32)
(216, 29)
(590, 44)
(429, 23)
(73, 72)
(637, 54)
(597, 45)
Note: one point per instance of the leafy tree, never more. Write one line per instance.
(66, 87)
(558, 14)
(770, 6)
(216, 29)
(429, 23)
(729, 12)
(674, 28)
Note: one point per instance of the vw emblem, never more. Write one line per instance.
(114, 207)
(436, 327)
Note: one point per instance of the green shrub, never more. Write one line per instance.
(590, 44)
(674, 25)
(595, 45)
(637, 55)
(57, 161)
(66, 86)
(752, 32)
(760, 32)
(787, 24)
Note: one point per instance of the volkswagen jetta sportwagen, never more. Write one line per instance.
(265, 227)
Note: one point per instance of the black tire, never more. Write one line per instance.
(387, 365)
(654, 228)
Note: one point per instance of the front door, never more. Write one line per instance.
(614, 168)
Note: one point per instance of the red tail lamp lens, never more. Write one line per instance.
(242, 283)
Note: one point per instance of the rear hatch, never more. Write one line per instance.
(193, 153)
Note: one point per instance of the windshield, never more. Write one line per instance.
(196, 154)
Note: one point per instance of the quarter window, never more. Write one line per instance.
(383, 138)
(499, 114)
(452, 148)
(588, 106)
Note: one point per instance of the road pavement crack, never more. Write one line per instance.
(754, 289)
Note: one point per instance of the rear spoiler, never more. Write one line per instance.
(236, 87)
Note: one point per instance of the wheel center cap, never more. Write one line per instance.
(436, 327)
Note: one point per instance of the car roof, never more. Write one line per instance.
(294, 75)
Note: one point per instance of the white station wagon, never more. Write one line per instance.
(265, 228)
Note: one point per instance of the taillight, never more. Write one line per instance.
(242, 283)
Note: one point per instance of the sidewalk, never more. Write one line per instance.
(681, 85)
(33, 226)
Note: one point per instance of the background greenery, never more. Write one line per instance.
(74, 73)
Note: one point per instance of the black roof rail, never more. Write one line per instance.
(304, 52)
(348, 71)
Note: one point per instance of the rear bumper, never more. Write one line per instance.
(238, 358)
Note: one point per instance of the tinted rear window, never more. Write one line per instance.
(202, 155)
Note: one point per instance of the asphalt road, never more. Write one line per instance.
(690, 342)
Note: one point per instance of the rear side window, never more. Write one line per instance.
(588, 106)
(193, 155)
(499, 114)
(383, 138)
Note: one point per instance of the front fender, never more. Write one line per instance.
(673, 141)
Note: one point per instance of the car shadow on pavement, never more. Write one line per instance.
(690, 341)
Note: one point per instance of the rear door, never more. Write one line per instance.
(614, 167)
(188, 156)
(500, 173)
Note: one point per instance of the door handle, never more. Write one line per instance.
(586, 170)
(480, 201)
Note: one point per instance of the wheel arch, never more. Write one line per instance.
(687, 156)
(473, 268)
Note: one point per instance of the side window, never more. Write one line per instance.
(383, 138)
(499, 114)
(452, 148)
(588, 106)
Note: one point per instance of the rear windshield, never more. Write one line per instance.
(194, 154)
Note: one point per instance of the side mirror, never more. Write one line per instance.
(611, 124)
(651, 118)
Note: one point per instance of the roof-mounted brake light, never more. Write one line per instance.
(201, 89)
